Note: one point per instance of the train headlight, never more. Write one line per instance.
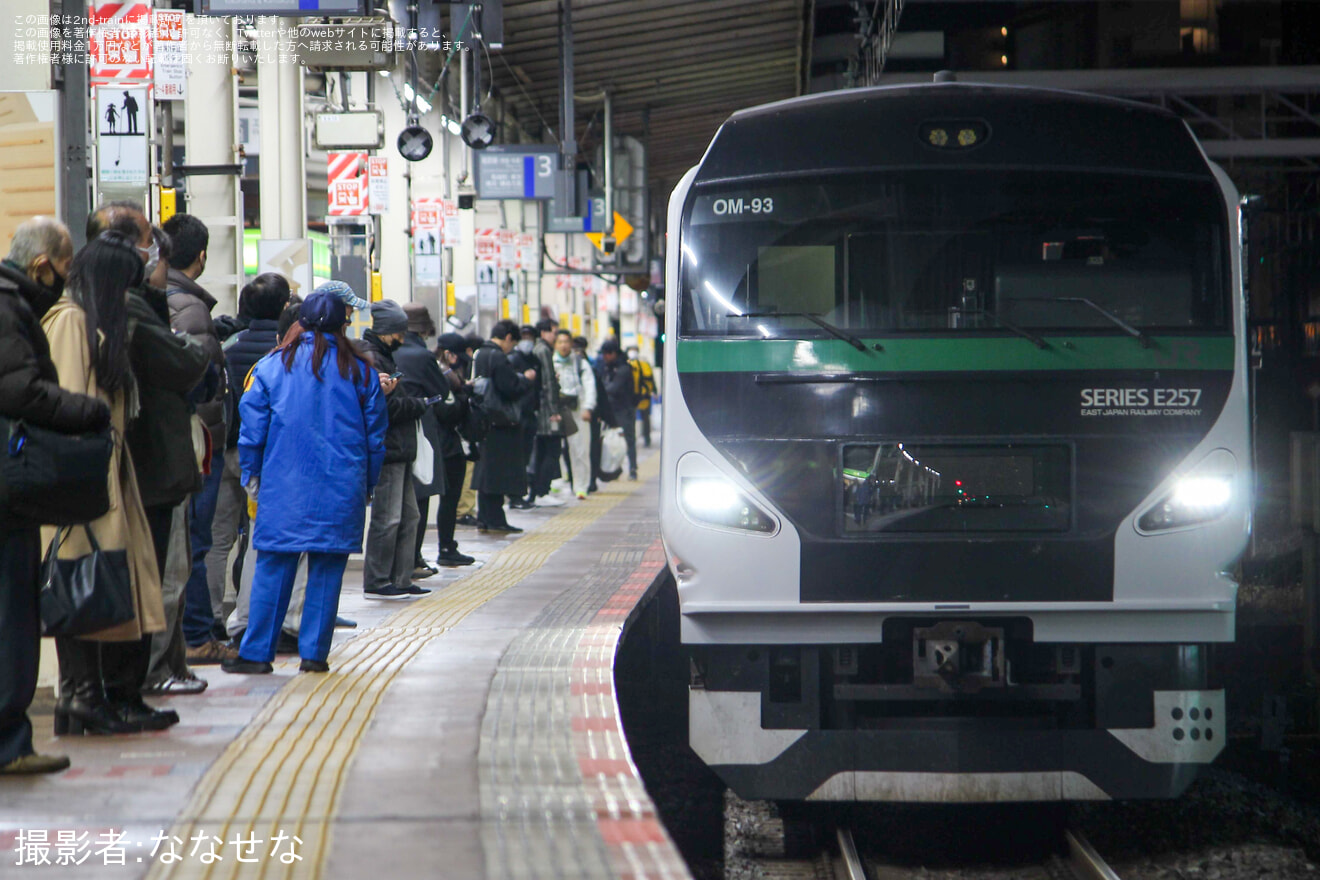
(717, 501)
(1195, 499)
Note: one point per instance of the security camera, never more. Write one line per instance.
(608, 244)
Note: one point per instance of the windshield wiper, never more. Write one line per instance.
(813, 318)
(1127, 328)
(1020, 331)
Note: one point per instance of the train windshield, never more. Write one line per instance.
(955, 251)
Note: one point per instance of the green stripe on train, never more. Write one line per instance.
(950, 355)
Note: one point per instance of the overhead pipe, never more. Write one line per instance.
(567, 124)
(609, 165)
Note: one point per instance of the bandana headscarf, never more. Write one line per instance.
(344, 293)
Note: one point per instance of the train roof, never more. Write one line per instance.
(889, 127)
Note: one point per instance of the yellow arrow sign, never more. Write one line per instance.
(622, 229)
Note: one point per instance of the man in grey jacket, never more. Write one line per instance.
(190, 312)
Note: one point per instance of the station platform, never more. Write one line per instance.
(469, 733)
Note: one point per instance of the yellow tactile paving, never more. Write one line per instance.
(285, 772)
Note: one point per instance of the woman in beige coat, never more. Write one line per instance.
(101, 674)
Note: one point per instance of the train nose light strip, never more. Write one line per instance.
(1195, 499)
(716, 501)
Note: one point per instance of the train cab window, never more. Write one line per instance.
(955, 251)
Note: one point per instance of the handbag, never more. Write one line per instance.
(50, 478)
(568, 425)
(84, 595)
(503, 413)
(423, 468)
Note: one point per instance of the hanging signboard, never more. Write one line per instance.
(486, 246)
(508, 259)
(346, 184)
(426, 227)
(121, 136)
(378, 184)
(453, 229)
(506, 171)
(119, 41)
(527, 252)
(170, 72)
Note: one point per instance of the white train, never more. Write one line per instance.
(956, 454)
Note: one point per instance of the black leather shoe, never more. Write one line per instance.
(135, 711)
(241, 666)
(313, 666)
(468, 520)
(522, 504)
(79, 717)
(345, 623)
(452, 559)
(287, 643)
(503, 529)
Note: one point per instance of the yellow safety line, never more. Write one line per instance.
(299, 747)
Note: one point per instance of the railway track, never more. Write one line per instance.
(1080, 862)
(841, 858)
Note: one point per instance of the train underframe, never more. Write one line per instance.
(955, 710)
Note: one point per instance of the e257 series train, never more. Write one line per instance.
(956, 455)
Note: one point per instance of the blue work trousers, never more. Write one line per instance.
(272, 586)
(198, 615)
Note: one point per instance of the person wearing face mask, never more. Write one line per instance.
(190, 312)
(424, 377)
(387, 567)
(502, 469)
(31, 281)
(164, 459)
(168, 366)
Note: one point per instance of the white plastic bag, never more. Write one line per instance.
(613, 450)
(424, 464)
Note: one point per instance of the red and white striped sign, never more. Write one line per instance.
(346, 186)
(486, 244)
(119, 34)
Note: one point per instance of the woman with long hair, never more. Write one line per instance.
(101, 674)
(311, 445)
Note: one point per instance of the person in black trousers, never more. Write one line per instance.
(502, 469)
(31, 280)
(618, 386)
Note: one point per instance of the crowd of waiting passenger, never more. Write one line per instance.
(222, 467)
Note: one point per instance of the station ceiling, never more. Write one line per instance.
(677, 68)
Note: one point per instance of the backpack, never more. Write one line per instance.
(643, 383)
(476, 422)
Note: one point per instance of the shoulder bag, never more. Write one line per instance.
(50, 478)
(503, 413)
(84, 595)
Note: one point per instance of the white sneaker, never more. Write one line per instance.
(549, 501)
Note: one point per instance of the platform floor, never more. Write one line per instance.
(469, 733)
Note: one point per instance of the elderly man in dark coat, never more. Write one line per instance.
(388, 565)
(501, 470)
(30, 282)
